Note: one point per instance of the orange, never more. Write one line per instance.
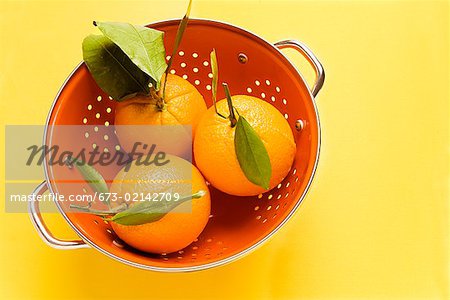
(184, 105)
(180, 226)
(214, 149)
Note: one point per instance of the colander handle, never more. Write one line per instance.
(44, 233)
(310, 57)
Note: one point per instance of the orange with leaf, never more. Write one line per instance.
(128, 63)
(162, 227)
(248, 152)
(157, 209)
(233, 159)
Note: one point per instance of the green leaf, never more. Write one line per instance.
(144, 46)
(150, 211)
(215, 72)
(252, 154)
(90, 175)
(180, 32)
(111, 68)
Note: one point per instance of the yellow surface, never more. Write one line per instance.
(375, 224)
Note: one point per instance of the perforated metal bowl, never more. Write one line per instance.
(237, 225)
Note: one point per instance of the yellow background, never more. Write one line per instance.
(375, 223)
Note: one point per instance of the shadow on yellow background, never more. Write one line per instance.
(375, 224)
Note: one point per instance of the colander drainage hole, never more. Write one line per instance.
(118, 243)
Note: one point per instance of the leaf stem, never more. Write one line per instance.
(147, 212)
(99, 212)
(178, 37)
(183, 199)
(215, 72)
(232, 116)
(93, 178)
(160, 103)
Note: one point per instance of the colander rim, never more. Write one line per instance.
(225, 260)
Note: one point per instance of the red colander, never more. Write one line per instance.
(237, 225)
